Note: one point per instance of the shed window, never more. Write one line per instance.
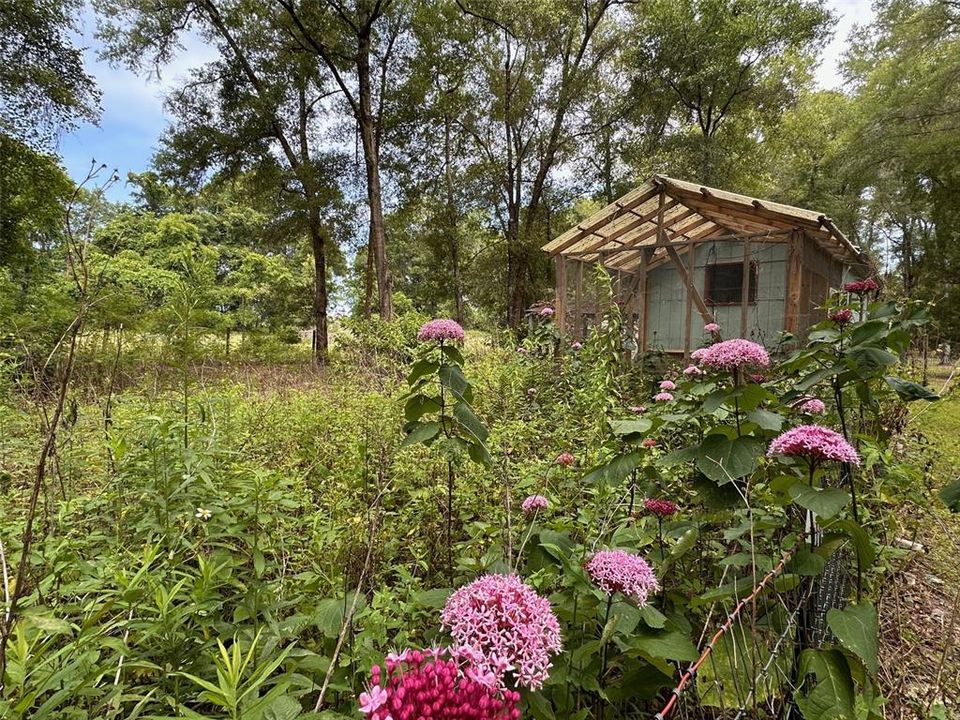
(724, 284)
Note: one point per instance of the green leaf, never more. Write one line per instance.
(951, 496)
(807, 563)
(832, 697)
(909, 390)
(451, 376)
(868, 360)
(825, 502)
(435, 598)
(479, 454)
(464, 413)
(453, 354)
(652, 617)
(723, 460)
(765, 419)
(672, 645)
(626, 428)
(856, 629)
(861, 540)
(419, 405)
(539, 706)
(421, 432)
(421, 368)
(684, 544)
(615, 470)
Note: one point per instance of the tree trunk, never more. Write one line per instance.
(371, 158)
(321, 340)
(452, 221)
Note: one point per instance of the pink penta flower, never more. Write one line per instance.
(711, 328)
(436, 683)
(522, 350)
(649, 443)
(619, 571)
(692, 371)
(813, 406)
(663, 397)
(842, 317)
(734, 354)
(638, 409)
(815, 443)
(660, 507)
(861, 287)
(546, 311)
(440, 330)
(576, 345)
(698, 353)
(565, 459)
(533, 503)
(507, 625)
(668, 385)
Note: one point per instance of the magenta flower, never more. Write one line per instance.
(649, 443)
(508, 627)
(861, 287)
(438, 683)
(711, 328)
(576, 345)
(815, 443)
(534, 503)
(522, 350)
(813, 406)
(667, 385)
(699, 353)
(692, 371)
(638, 409)
(659, 507)
(842, 317)
(663, 397)
(546, 312)
(619, 571)
(734, 354)
(565, 459)
(440, 330)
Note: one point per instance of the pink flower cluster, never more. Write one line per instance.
(668, 385)
(620, 571)
(649, 443)
(533, 503)
(565, 459)
(814, 442)
(842, 317)
(812, 406)
(711, 328)
(576, 345)
(660, 507)
(546, 312)
(692, 371)
(663, 397)
(732, 355)
(638, 409)
(440, 330)
(861, 287)
(507, 625)
(441, 683)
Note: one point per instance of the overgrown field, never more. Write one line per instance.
(249, 541)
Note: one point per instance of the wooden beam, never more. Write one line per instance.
(688, 310)
(624, 230)
(560, 303)
(578, 303)
(584, 231)
(745, 292)
(691, 289)
(794, 279)
(624, 260)
(645, 256)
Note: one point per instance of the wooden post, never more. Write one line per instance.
(688, 282)
(688, 310)
(578, 303)
(560, 302)
(791, 308)
(745, 293)
(645, 256)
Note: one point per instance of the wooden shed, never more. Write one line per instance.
(682, 255)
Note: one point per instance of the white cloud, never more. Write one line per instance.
(849, 13)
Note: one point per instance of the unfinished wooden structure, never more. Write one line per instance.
(682, 255)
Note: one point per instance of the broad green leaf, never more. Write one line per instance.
(615, 470)
(825, 502)
(453, 353)
(868, 360)
(625, 428)
(421, 368)
(832, 697)
(421, 432)
(670, 645)
(434, 598)
(451, 376)
(464, 413)
(765, 419)
(723, 460)
(419, 405)
(909, 390)
(951, 495)
(861, 540)
(856, 628)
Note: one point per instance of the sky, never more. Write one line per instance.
(133, 117)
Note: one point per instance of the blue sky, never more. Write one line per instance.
(133, 117)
